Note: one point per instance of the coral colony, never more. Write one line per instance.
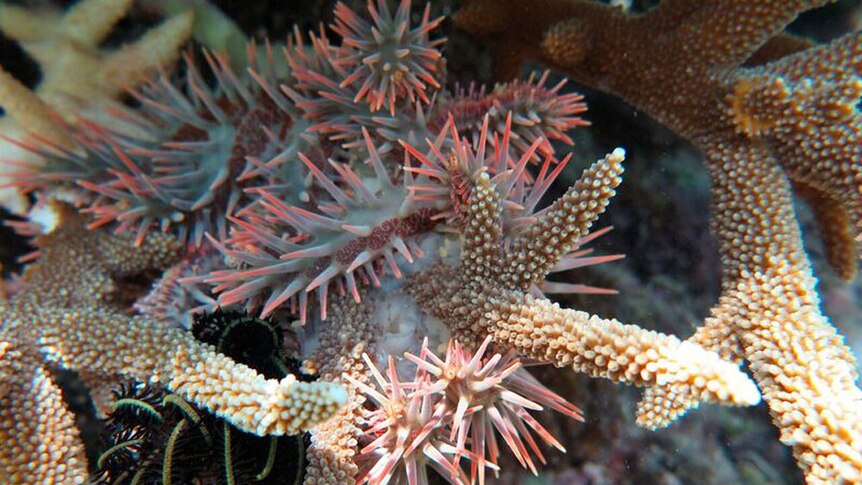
(327, 241)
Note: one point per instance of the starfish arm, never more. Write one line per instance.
(559, 227)
(41, 442)
(152, 352)
(607, 348)
(90, 21)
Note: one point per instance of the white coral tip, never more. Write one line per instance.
(747, 394)
(338, 394)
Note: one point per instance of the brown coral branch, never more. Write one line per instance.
(473, 300)
(788, 118)
(335, 443)
(41, 442)
(72, 308)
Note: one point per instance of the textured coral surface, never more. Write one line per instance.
(426, 246)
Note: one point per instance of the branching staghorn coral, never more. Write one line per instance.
(157, 436)
(78, 78)
(70, 309)
(28, 391)
(789, 121)
(488, 293)
(377, 213)
(61, 40)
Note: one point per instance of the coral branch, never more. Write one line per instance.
(33, 414)
(559, 227)
(75, 326)
(149, 352)
(794, 117)
(609, 349)
(474, 300)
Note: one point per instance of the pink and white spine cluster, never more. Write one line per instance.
(453, 410)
